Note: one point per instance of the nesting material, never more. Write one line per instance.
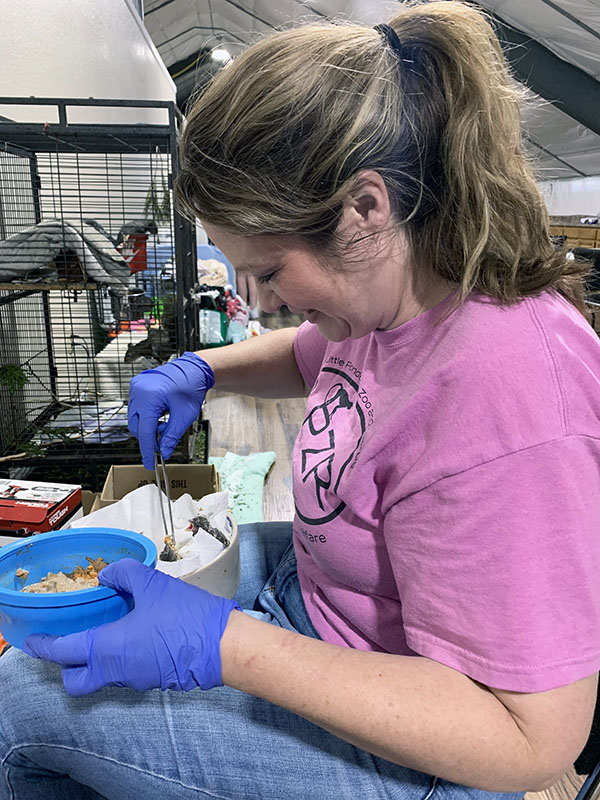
(140, 511)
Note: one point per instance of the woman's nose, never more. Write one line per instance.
(268, 299)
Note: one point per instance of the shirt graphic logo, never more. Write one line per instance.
(331, 435)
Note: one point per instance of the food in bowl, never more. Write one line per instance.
(62, 613)
(80, 578)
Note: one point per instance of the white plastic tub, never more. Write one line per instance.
(221, 575)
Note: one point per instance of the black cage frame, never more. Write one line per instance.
(28, 143)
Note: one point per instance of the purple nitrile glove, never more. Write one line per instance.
(169, 640)
(178, 387)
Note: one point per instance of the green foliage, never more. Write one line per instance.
(200, 455)
(152, 206)
(32, 449)
(12, 377)
(62, 434)
(155, 208)
(166, 202)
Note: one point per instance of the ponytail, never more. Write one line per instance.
(490, 230)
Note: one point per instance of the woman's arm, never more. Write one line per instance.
(411, 710)
(263, 366)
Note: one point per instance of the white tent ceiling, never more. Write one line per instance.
(560, 37)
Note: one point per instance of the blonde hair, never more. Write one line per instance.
(276, 141)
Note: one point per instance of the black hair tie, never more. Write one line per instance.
(391, 37)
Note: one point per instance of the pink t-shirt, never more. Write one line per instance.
(447, 490)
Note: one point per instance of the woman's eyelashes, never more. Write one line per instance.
(266, 278)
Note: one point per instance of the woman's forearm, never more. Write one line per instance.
(409, 710)
(263, 366)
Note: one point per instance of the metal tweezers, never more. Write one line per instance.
(168, 552)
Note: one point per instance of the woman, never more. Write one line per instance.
(432, 629)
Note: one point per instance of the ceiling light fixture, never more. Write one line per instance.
(221, 55)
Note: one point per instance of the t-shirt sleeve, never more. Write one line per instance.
(498, 567)
(309, 351)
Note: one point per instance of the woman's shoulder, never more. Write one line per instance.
(519, 323)
(538, 356)
(539, 341)
(492, 379)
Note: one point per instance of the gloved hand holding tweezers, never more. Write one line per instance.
(178, 388)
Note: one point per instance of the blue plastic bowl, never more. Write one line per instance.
(61, 613)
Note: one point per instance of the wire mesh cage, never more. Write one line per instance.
(95, 265)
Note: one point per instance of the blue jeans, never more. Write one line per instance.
(222, 744)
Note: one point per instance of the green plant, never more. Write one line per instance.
(55, 434)
(12, 377)
(156, 208)
(166, 202)
(32, 450)
(152, 208)
(200, 455)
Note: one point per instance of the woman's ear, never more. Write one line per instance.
(367, 208)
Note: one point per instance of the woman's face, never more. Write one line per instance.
(347, 301)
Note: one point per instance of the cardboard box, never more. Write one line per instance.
(88, 499)
(30, 507)
(193, 479)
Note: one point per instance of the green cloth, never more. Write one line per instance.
(244, 477)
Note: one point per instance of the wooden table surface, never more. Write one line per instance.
(246, 425)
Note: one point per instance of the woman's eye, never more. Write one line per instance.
(265, 278)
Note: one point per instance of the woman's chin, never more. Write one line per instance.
(335, 330)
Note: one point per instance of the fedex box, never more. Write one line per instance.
(30, 507)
